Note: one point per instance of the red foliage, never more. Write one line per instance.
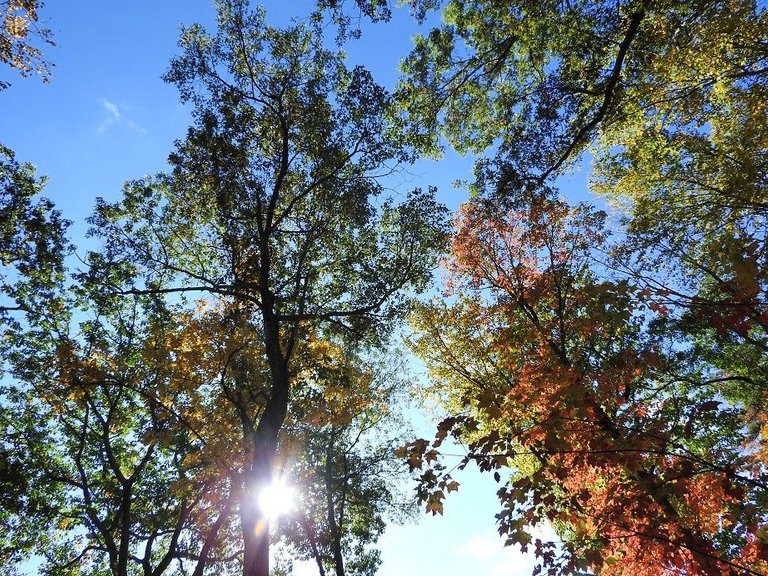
(594, 437)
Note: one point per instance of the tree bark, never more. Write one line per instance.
(338, 557)
(254, 523)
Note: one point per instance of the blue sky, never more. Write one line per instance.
(107, 117)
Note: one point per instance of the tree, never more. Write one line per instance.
(270, 203)
(130, 438)
(32, 250)
(545, 80)
(668, 97)
(32, 241)
(343, 433)
(565, 378)
(85, 454)
(97, 418)
(347, 19)
(20, 24)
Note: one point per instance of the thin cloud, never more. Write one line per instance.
(494, 559)
(482, 546)
(112, 108)
(114, 117)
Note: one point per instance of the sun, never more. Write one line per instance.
(277, 499)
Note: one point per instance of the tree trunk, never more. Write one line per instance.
(254, 523)
(338, 557)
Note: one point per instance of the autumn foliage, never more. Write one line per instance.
(21, 30)
(613, 383)
(556, 372)
(608, 368)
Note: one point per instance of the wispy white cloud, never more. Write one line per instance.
(114, 116)
(482, 546)
(112, 108)
(494, 559)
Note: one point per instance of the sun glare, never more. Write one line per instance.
(277, 499)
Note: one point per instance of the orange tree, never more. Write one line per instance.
(631, 445)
